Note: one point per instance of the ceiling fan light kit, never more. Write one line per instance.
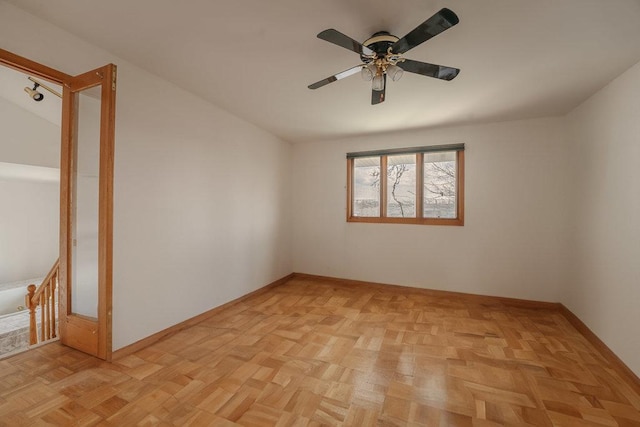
(382, 55)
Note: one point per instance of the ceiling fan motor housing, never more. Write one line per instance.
(380, 43)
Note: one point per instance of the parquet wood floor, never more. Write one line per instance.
(314, 352)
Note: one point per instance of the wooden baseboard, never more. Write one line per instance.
(479, 299)
(616, 363)
(145, 342)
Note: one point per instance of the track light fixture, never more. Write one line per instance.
(33, 93)
(39, 96)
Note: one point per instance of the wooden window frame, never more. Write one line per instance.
(419, 219)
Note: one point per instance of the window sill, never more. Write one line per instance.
(418, 221)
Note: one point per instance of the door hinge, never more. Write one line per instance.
(114, 78)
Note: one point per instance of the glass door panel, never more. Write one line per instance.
(85, 204)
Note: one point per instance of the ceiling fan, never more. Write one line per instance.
(381, 55)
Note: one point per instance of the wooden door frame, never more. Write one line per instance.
(83, 338)
(33, 68)
(105, 225)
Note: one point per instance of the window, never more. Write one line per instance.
(422, 185)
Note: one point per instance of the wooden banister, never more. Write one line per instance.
(45, 297)
(47, 279)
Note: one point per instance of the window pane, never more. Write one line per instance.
(401, 186)
(440, 185)
(366, 187)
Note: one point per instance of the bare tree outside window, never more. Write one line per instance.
(440, 185)
(401, 185)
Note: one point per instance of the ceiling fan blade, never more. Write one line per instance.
(336, 37)
(441, 21)
(377, 96)
(429, 70)
(336, 77)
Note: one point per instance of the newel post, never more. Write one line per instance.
(33, 333)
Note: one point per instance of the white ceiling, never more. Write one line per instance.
(255, 58)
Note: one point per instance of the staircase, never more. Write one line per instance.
(37, 322)
(14, 333)
(42, 301)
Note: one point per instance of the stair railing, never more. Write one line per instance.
(44, 296)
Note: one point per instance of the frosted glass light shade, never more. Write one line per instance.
(368, 72)
(395, 72)
(378, 82)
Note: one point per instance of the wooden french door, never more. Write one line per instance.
(86, 202)
(86, 205)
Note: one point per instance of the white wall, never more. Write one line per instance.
(26, 138)
(13, 298)
(28, 229)
(605, 288)
(202, 198)
(29, 218)
(513, 241)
